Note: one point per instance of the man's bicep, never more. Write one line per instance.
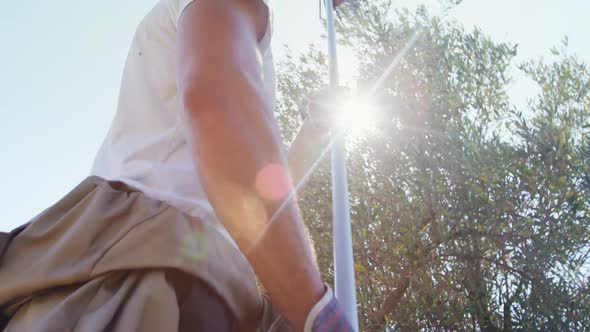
(218, 38)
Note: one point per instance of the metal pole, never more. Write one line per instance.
(342, 237)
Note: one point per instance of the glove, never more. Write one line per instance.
(327, 316)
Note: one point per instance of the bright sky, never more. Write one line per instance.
(61, 63)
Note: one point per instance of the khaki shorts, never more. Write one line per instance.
(100, 260)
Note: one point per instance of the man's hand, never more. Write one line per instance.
(322, 108)
(313, 137)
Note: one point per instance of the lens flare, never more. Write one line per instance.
(273, 182)
(356, 115)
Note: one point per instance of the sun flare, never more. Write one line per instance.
(356, 115)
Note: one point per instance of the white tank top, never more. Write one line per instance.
(145, 146)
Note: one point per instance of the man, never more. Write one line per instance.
(190, 190)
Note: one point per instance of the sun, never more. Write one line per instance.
(356, 115)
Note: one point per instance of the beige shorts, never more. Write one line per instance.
(94, 262)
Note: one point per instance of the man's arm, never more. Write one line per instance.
(314, 135)
(305, 150)
(238, 149)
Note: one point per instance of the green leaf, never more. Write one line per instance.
(570, 196)
(359, 268)
(506, 205)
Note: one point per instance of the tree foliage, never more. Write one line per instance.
(468, 213)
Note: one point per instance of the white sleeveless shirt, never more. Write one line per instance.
(145, 146)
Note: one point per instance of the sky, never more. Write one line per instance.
(61, 64)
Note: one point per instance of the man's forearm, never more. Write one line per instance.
(305, 150)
